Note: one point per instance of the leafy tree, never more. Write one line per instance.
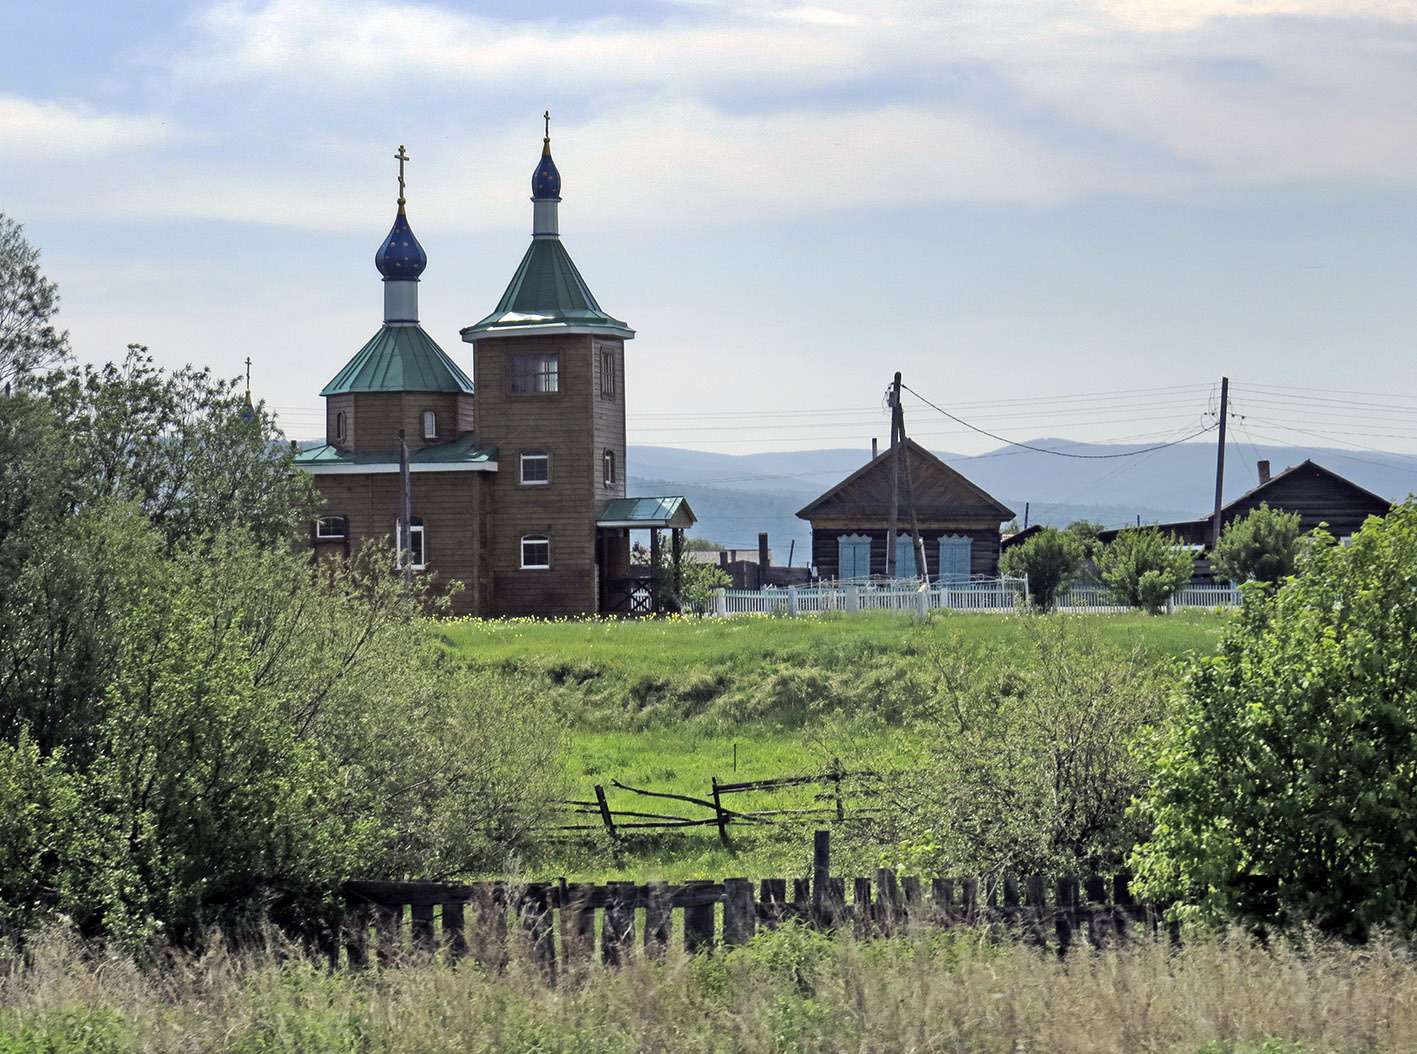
(1261, 547)
(1049, 560)
(702, 545)
(179, 445)
(1143, 567)
(29, 343)
(1288, 790)
(1086, 532)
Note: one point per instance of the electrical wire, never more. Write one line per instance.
(1044, 450)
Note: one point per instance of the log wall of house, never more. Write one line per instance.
(984, 552)
(373, 419)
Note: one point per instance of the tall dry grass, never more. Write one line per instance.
(793, 990)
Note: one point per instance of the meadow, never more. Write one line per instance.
(669, 704)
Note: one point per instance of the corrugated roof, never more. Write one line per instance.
(461, 451)
(546, 292)
(647, 512)
(399, 359)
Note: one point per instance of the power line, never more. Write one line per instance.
(1044, 450)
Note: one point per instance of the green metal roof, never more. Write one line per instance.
(546, 294)
(647, 512)
(462, 452)
(399, 359)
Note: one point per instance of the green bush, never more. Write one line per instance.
(1261, 547)
(1288, 791)
(1142, 567)
(1050, 560)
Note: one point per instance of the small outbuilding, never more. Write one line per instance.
(959, 522)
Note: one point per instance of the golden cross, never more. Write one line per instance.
(547, 115)
(402, 157)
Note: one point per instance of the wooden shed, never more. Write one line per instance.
(959, 522)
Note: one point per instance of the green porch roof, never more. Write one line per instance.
(462, 453)
(647, 512)
(546, 295)
(399, 359)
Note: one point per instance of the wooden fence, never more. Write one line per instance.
(558, 925)
(614, 821)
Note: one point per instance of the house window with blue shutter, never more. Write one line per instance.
(853, 556)
(955, 553)
(904, 556)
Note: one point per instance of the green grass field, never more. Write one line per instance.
(669, 704)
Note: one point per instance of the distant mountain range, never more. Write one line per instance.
(737, 495)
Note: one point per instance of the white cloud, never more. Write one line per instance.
(32, 130)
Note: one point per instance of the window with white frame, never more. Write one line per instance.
(534, 373)
(607, 373)
(430, 425)
(536, 552)
(608, 462)
(536, 466)
(329, 528)
(417, 544)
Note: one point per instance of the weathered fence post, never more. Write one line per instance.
(720, 603)
(577, 922)
(821, 878)
(942, 900)
(1065, 913)
(421, 928)
(658, 919)
(490, 939)
(535, 910)
(1037, 909)
(887, 900)
(698, 916)
(792, 608)
(969, 897)
(454, 933)
(861, 908)
(388, 925)
(718, 811)
(740, 916)
(617, 935)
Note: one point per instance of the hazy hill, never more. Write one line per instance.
(738, 495)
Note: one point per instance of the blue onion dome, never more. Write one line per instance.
(546, 181)
(401, 256)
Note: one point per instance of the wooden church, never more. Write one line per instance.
(516, 475)
(958, 522)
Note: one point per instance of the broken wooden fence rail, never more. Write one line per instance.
(555, 926)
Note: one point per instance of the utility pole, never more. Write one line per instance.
(405, 517)
(1220, 460)
(896, 422)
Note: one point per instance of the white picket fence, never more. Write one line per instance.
(910, 597)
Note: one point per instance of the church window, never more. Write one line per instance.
(955, 555)
(536, 466)
(609, 463)
(331, 527)
(534, 373)
(853, 556)
(536, 552)
(339, 425)
(607, 373)
(430, 425)
(417, 544)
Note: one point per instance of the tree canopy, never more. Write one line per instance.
(1260, 547)
(1287, 792)
(29, 342)
(1050, 560)
(1144, 566)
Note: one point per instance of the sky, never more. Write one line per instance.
(1056, 218)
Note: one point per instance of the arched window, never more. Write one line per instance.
(536, 552)
(430, 425)
(339, 424)
(536, 466)
(417, 544)
(331, 527)
(609, 462)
